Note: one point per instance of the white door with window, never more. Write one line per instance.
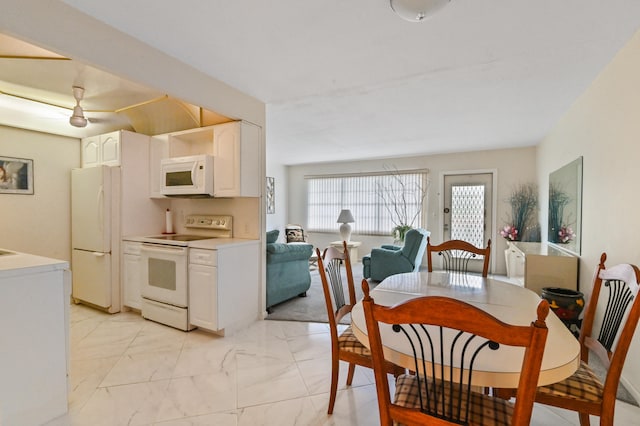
(468, 210)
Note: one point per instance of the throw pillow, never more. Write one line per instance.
(295, 236)
(272, 236)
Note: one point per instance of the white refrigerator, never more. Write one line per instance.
(95, 235)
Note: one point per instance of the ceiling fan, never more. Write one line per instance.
(78, 119)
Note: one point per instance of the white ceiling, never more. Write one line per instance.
(350, 79)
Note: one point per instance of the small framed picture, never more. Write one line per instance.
(16, 176)
(271, 196)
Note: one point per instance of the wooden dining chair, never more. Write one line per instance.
(439, 329)
(456, 255)
(615, 291)
(345, 346)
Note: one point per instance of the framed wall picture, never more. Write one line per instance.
(271, 196)
(16, 176)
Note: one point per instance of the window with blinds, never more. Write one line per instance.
(378, 202)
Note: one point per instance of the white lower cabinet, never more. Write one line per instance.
(203, 288)
(224, 287)
(203, 303)
(132, 274)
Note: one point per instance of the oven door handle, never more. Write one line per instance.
(157, 248)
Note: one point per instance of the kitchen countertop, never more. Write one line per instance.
(14, 263)
(208, 244)
(218, 243)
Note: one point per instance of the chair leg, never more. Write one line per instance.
(584, 419)
(352, 369)
(335, 366)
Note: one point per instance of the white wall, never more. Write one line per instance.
(242, 209)
(278, 171)
(513, 166)
(40, 223)
(603, 126)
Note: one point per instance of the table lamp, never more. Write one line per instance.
(345, 218)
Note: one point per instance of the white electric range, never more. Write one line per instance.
(165, 266)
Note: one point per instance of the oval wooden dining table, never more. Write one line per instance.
(508, 302)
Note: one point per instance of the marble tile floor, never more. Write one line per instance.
(129, 371)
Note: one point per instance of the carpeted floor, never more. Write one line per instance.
(313, 308)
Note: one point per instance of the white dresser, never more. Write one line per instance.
(538, 265)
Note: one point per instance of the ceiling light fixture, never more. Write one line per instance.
(77, 119)
(416, 10)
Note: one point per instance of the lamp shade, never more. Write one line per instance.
(416, 10)
(345, 217)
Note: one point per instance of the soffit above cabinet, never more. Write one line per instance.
(36, 94)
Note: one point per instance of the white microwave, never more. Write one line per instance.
(190, 176)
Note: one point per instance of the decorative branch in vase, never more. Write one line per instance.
(403, 201)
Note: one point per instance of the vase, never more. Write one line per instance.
(567, 304)
(399, 233)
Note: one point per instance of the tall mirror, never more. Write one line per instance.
(565, 207)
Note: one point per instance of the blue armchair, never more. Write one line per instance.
(390, 260)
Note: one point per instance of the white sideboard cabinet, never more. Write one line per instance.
(539, 265)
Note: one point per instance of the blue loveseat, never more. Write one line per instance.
(287, 269)
(390, 260)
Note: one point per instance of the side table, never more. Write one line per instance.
(313, 261)
(351, 245)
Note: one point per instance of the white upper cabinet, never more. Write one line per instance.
(236, 156)
(101, 150)
(91, 151)
(236, 148)
(110, 148)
